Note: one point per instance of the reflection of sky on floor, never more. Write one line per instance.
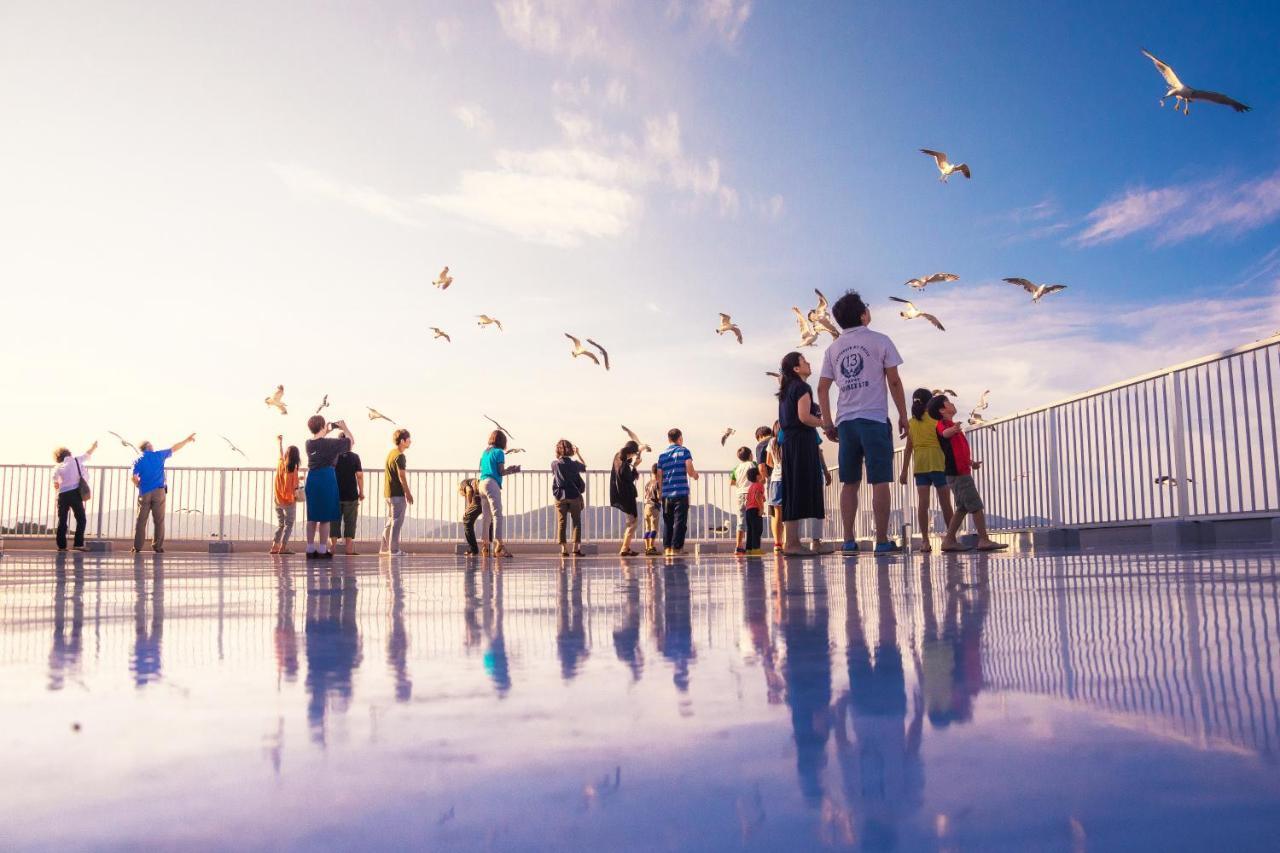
(1061, 702)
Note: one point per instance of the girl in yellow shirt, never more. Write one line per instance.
(930, 466)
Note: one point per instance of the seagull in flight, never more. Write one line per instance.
(603, 353)
(727, 325)
(580, 350)
(913, 312)
(631, 435)
(514, 450)
(443, 280)
(486, 320)
(1037, 291)
(808, 335)
(500, 427)
(375, 415)
(123, 443)
(324, 404)
(1167, 480)
(1183, 94)
(947, 391)
(982, 401)
(190, 511)
(945, 167)
(976, 418)
(276, 400)
(727, 432)
(233, 447)
(438, 333)
(938, 277)
(820, 317)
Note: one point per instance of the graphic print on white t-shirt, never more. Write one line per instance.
(856, 363)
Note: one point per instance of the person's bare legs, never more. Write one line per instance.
(312, 527)
(949, 541)
(323, 534)
(880, 509)
(922, 517)
(794, 544)
(944, 503)
(849, 509)
(775, 524)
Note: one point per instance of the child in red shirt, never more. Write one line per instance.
(960, 468)
(754, 512)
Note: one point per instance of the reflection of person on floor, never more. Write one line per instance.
(807, 669)
(755, 617)
(470, 609)
(145, 661)
(953, 653)
(626, 637)
(398, 637)
(333, 642)
(495, 657)
(881, 767)
(64, 656)
(286, 634)
(571, 633)
(672, 624)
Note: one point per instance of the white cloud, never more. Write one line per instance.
(474, 117)
(558, 28)
(306, 181)
(722, 18)
(1178, 213)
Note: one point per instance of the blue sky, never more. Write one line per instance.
(223, 198)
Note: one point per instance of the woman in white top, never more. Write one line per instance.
(67, 475)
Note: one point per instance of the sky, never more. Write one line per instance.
(200, 201)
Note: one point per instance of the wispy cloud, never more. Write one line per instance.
(1176, 213)
(307, 181)
(723, 18)
(474, 117)
(565, 28)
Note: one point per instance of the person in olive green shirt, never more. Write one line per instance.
(397, 492)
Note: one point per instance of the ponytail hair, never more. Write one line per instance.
(787, 369)
(920, 401)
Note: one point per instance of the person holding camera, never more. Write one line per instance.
(569, 489)
(72, 488)
(323, 504)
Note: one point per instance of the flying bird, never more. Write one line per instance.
(190, 511)
(500, 427)
(514, 450)
(808, 335)
(727, 325)
(438, 333)
(443, 280)
(727, 432)
(976, 419)
(579, 349)
(631, 435)
(912, 312)
(375, 415)
(1037, 291)
(946, 168)
(276, 400)
(233, 447)
(982, 401)
(947, 391)
(1167, 480)
(1183, 94)
(820, 317)
(936, 278)
(603, 353)
(324, 404)
(486, 320)
(123, 443)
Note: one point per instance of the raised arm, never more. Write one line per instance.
(899, 398)
(280, 445)
(346, 430)
(183, 443)
(92, 448)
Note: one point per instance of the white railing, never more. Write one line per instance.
(1199, 440)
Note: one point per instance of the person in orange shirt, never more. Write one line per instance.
(286, 488)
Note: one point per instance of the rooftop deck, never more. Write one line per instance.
(1058, 702)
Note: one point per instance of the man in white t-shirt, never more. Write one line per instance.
(863, 365)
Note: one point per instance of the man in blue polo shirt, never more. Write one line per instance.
(676, 463)
(148, 476)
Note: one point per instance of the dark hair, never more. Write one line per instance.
(60, 454)
(790, 362)
(564, 447)
(763, 432)
(919, 401)
(848, 310)
(744, 454)
(399, 435)
(498, 439)
(753, 475)
(935, 406)
(315, 423)
(292, 459)
(674, 435)
(629, 449)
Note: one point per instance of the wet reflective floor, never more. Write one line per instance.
(967, 703)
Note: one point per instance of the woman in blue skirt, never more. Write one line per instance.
(322, 482)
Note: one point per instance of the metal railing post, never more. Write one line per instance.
(1179, 447)
(1055, 477)
(102, 490)
(222, 504)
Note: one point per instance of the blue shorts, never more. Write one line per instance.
(775, 493)
(937, 479)
(863, 440)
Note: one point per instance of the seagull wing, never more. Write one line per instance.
(725, 322)
(963, 169)
(1165, 71)
(1053, 288)
(906, 302)
(939, 157)
(1219, 98)
(725, 437)
(917, 283)
(577, 344)
(603, 352)
(982, 401)
(498, 323)
(499, 426)
(806, 328)
(941, 276)
(822, 301)
(631, 435)
(1023, 283)
(829, 327)
(934, 320)
(737, 333)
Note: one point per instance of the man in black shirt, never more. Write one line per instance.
(350, 494)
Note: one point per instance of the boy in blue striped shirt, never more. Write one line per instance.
(676, 463)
